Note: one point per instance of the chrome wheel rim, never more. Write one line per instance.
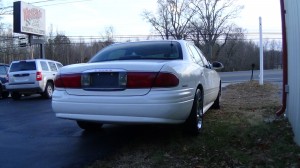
(50, 90)
(199, 111)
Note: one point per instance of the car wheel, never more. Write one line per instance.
(16, 95)
(89, 126)
(216, 104)
(194, 122)
(48, 91)
(5, 95)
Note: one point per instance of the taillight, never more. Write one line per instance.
(39, 76)
(67, 81)
(151, 79)
(166, 80)
(140, 79)
(135, 80)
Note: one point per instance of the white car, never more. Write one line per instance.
(163, 82)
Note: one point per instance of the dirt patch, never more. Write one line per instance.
(240, 134)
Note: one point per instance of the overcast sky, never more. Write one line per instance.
(91, 17)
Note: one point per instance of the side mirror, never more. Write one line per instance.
(217, 65)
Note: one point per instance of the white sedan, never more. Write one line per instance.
(163, 82)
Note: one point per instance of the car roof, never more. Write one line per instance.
(4, 64)
(39, 59)
(143, 41)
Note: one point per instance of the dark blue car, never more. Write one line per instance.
(3, 79)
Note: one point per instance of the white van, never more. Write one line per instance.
(27, 77)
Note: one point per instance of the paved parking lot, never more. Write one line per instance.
(31, 136)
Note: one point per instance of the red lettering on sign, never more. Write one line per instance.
(31, 14)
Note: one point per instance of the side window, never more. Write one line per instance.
(44, 66)
(196, 55)
(59, 65)
(206, 63)
(2, 70)
(52, 66)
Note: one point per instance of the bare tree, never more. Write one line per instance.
(49, 46)
(212, 22)
(272, 54)
(172, 18)
(62, 45)
(109, 34)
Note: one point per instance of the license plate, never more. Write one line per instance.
(104, 80)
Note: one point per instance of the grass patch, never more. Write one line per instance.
(243, 133)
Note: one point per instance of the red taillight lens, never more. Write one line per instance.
(140, 79)
(39, 76)
(135, 80)
(166, 80)
(68, 81)
(151, 79)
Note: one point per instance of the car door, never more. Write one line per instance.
(3, 73)
(53, 70)
(203, 77)
(213, 80)
(208, 76)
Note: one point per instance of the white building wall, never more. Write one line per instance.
(293, 41)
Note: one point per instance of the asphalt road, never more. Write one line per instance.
(243, 76)
(31, 136)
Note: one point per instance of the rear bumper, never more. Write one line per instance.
(155, 107)
(25, 88)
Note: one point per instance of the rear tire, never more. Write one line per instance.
(48, 91)
(216, 104)
(5, 95)
(16, 95)
(193, 124)
(89, 126)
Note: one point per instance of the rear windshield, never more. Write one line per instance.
(162, 50)
(23, 66)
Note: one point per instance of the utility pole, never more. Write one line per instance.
(261, 53)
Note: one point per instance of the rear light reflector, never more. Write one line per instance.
(39, 76)
(68, 81)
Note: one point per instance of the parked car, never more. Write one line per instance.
(164, 82)
(28, 77)
(3, 80)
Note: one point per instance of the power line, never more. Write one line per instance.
(9, 12)
(44, 1)
(70, 2)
